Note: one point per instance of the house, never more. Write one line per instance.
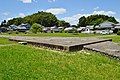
(70, 29)
(21, 29)
(3, 29)
(46, 29)
(27, 26)
(13, 27)
(88, 29)
(60, 28)
(106, 25)
(80, 29)
(91, 27)
(54, 29)
(117, 28)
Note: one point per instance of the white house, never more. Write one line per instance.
(46, 29)
(88, 29)
(54, 29)
(117, 26)
(69, 29)
(80, 29)
(60, 28)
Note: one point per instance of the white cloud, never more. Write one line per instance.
(96, 8)
(118, 19)
(9, 18)
(105, 12)
(56, 11)
(51, 0)
(21, 15)
(6, 13)
(82, 9)
(26, 1)
(75, 18)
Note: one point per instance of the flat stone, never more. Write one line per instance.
(108, 47)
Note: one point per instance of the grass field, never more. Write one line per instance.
(31, 63)
(4, 41)
(115, 38)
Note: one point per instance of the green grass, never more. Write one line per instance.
(30, 63)
(4, 41)
(115, 38)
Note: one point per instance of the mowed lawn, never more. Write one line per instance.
(4, 41)
(21, 62)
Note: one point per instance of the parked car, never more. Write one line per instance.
(106, 32)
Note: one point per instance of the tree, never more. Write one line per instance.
(62, 23)
(3, 24)
(97, 19)
(36, 28)
(16, 21)
(42, 18)
(82, 22)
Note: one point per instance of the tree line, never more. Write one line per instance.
(48, 20)
(43, 18)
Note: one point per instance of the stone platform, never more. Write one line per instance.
(61, 43)
(108, 48)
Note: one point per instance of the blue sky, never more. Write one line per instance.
(68, 10)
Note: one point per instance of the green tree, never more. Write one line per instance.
(16, 21)
(3, 24)
(82, 22)
(97, 19)
(36, 28)
(62, 23)
(43, 18)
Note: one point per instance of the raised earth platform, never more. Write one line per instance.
(61, 43)
(108, 48)
(105, 46)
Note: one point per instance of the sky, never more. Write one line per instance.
(68, 10)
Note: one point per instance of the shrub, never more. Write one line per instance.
(118, 33)
(9, 32)
(36, 28)
(16, 32)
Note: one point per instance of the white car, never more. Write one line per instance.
(106, 32)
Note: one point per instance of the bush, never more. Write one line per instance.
(118, 33)
(10, 32)
(36, 28)
(16, 32)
